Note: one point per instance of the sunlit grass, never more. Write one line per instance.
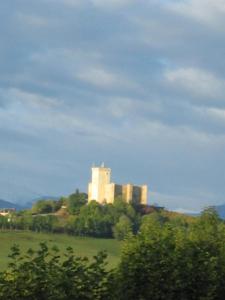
(83, 246)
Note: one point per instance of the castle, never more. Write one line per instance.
(103, 190)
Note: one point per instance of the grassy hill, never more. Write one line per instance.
(82, 246)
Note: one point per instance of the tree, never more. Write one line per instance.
(43, 274)
(43, 207)
(94, 220)
(123, 228)
(75, 201)
(4, 224)
(44, 223)
(169, 261)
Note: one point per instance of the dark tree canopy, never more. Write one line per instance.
(172, 257)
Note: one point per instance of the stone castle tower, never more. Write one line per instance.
(103, 190)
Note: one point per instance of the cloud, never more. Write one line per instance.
(34, 114)
(75, 3)
(212, 113)
(109, 4)
(33, 100)
(138, 85)
(32, 20)
(122, 107)
(112, 3)
(199, 83)
(102, 78)
(208, 12)
(219, 114)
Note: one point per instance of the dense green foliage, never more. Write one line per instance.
(75, 201)
(75, 216)
(172, 257)
(123, 228)
(99, 220)
(46, 206)
(42, 275)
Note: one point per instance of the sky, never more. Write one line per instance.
(139, 85)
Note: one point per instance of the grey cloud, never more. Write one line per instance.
(137, 85)
(207, 12)
(198, 83)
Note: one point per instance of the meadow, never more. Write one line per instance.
(83, 246)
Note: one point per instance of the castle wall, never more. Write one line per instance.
(103, 191)
(144, 194)
(118, 190)
(135, 194)
(110, 192)
(128, 192)
(137, 190)
(97, 188)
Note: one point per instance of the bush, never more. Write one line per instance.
(169, 261)
(43, 275)
(123, 228)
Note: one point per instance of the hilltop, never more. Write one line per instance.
(75, 215)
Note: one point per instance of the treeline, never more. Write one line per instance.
(73, 215)
(170, 258)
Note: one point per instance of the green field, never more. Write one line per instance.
(83, 246)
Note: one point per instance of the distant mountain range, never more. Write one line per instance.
(27, 205)
(30, 203)
(221, 210)
(7, 204)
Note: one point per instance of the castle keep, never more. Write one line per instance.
(103, 190)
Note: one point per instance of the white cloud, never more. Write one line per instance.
(121, 107)
(32, 114)
(71, 2)
(177, 139)
(112, 3)
(211, 12)
(32, 20)
(33, 100)
(212, 113)
(106, 4)
(86, 66)
(197, 82)
(100, 77)
(217, 113)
